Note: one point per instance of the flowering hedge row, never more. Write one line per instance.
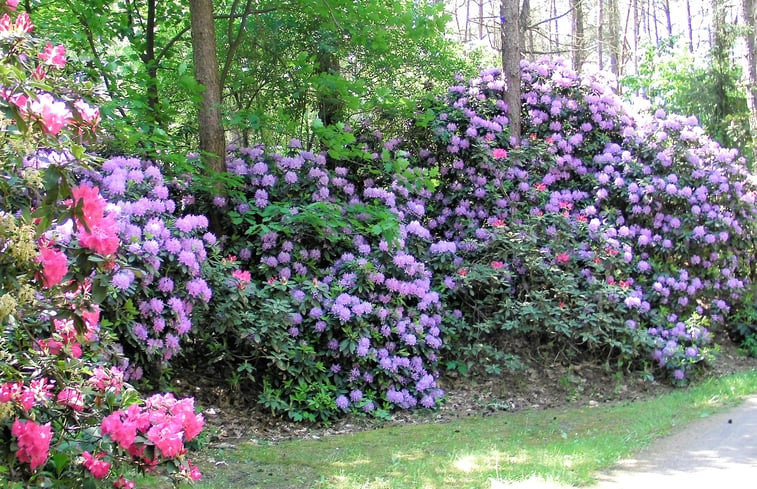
(606, 231)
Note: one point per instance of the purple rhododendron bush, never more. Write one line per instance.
(609, 227)
(351, 275)
(67, 417)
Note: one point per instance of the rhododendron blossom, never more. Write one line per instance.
(54, 55)
(72, 398)
(98, 467)
(22, 25)
(562, 258)
(499, 153)
(53, 114)
(54, 265)
(90, 115)
(97, 231)
(33, 442)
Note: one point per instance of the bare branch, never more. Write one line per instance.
(551, 19)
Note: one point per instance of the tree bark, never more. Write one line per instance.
(148, 57)
(511, 33)
(690, 29)
(668, 21)
(635, 4)
(749, 12)
(212, 139)
(613, 12)
(720, 54)
(578, 34)
(525, 15)
(600, 34)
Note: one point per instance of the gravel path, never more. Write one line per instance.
(715, 452)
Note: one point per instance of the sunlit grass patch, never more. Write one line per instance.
(556, 447)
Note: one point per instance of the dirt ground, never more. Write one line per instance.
(231, 419)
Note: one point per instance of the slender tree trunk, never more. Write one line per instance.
(613, 12)
(636, 36)
(525, 15)
(212, 140)
(600, 34)
(510, 33)
(480, 19)
(557, 28)
(654, 23)
(720, 61)
(467, 21)
(668, 20)
(578, 34)
(690, 29)
(624, 37)
(150, 62)
(749, 8)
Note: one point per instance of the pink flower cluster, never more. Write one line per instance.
(107, 379)
(54, 55)
(96, 230)
(94, 463)
(54, 114)
(243, 276)
(165, 422)
(22, 25)
(17, 392)
(33, 442)
(66, 339)
(54, 265)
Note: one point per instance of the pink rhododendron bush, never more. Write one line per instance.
(67, 418)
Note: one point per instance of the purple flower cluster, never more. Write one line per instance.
(159, 266)
(344, 279)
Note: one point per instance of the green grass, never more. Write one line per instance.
(566, 445)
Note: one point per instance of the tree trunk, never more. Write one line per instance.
(578, 34)
(613, 12)
(148, 57)
(636, 36)
(525, 15)
(330, 103)
(691, 30)
(557, 29)
(510, 33)
(668, 20)
(480, 19)
(212, 140)
(750, 20)
(654, 24)
(600, 34)
(720, 62)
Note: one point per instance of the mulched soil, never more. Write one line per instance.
(233, 419)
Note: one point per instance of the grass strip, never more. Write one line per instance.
(564, 445)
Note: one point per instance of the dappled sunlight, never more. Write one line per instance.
(351, 463)
(530, 483)
(501, 465)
